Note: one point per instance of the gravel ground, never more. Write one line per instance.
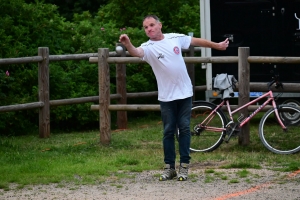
(216, 184)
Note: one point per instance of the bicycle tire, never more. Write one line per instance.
(288, 116)
(203, 140)
(273, 137)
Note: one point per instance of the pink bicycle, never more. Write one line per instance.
(279, 129)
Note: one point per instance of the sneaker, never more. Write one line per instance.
(183, 172)
(168, 174)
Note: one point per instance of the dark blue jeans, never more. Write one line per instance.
(175, 114)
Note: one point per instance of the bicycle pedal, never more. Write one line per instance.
(232, 130)
(195, 133)
(237, 131)
(235, 134)
(226, 140)
(240, 119)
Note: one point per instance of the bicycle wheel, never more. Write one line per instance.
(276, 139)
(293, 117)
(202, 139)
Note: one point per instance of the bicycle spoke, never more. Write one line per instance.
(209, 136)
(277, 139)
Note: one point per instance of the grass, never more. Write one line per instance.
(79, 158)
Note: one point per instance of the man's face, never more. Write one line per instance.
(152, 28)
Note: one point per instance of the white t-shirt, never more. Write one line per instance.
(165, 58)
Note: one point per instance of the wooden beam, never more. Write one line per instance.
(244, 92)
(18, 107)
(121, 89)
(263, 59)
(43, 85)
(33, 59)
(62, 102)
(104, 96)
(142, 107)
(132, 60)
(135, 107)
(147, 107)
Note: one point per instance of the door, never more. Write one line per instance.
(268, 27)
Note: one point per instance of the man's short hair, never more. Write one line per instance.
(151, 16)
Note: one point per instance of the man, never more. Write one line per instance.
(163, 53)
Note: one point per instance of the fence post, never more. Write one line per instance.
(121, 89)
(43, 85)
(104, 96)
(244, 91)
(191, 69)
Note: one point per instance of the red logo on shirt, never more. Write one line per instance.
(176, 50)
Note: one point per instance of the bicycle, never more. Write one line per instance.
(278, 128)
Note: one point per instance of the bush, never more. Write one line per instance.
(26, 26)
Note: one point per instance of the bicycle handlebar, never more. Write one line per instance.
(276, 80)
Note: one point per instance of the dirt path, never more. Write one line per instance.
(216, 184)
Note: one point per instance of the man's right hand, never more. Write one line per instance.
(135, 52)
(124, 39)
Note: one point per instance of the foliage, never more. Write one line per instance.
(27, 25)
(180, 16)
(68, 8)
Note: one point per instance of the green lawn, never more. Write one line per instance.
(79, 157)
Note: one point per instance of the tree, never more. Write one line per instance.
(176, 15)
(26, 26)
(68, 8)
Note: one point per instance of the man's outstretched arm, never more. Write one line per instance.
(209, 44)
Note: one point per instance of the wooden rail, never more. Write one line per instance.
(260, 59)
(126, 60)
(19, 107)
(148, 107)
(8, 61)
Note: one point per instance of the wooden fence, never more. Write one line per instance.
(243, 59)
(44, 103)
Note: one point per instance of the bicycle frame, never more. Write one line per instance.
(247, 119)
